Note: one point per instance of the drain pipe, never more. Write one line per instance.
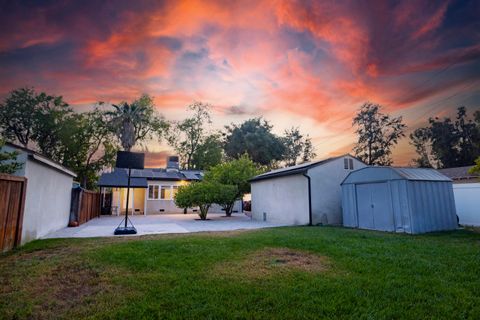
(309, 198)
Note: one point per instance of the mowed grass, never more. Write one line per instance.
(282, 273)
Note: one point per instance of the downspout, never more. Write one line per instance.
(310, 218)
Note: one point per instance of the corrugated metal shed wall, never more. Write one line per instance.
(417, 206)
(433, 206)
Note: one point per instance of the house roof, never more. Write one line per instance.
(33, 155)
(459, 173)
(298, 169)
(378, 173)
(119, 177)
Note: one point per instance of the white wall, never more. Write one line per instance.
(283, 199)
(47, 201)
(327, 191)
(467, 203)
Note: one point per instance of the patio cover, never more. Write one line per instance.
(119, 179)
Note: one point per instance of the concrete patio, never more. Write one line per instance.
(162, 224)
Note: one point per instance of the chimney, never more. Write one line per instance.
(172, 163)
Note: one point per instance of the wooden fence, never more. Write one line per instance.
(85, 206)
(12, 203)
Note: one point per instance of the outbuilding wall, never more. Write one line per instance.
(47, 201)
(467, 203)
(327, 191)
(433, 206)
(407, 205)
(282, 199)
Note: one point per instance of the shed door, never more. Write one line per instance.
(374, 209)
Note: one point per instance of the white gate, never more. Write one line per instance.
(467, 203)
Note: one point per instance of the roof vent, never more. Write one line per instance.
(172, 163)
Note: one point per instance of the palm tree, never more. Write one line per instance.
(125, 120)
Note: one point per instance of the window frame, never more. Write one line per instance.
(159, 187)
(153, 188)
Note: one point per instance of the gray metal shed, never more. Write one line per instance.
(411, 200)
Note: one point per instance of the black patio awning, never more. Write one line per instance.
(119, 179)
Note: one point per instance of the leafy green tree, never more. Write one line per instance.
(203, 194)
(453, 143)
(189, 137)
(235, 173)
(298, 148)
(421, 140)
(8, 160)
(209, 153)
(51, 119)
(20, 114)
(136, 122)
(254, 137)
(476, 168)
(88, 145)
(377, 134)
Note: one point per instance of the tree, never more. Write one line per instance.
(237, 173)
(297, 147)
(209, 153)
(254, 138)
(203, 194)
(377, 134)
(188, 137)
(8, 160)
(453, 143)
(51, 117)
(88, 145)
(476, 168)
(18, 115)
(136, 122)
(421, 140)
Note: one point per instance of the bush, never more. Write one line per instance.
(203, 195)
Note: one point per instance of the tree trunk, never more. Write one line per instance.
(228, 209)
(203, 211)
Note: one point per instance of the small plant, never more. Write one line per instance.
(8, 163)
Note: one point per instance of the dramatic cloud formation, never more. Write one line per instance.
(303, 63)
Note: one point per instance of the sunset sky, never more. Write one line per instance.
(296, 63)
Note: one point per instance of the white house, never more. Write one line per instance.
(308, 193)
(48, 193)
(152, 189)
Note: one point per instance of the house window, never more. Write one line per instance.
(348, 164)
(153, 192)
(174, 191)
(165, 193)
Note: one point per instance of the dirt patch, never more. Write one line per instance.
(268, 261)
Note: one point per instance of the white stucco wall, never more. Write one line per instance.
(47, 201)
(283, 199)
(467, 203)
(327, 191)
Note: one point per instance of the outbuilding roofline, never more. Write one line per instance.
(298, 169)
(33, 155)
(408, 173)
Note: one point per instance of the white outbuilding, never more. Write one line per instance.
(308, 193)
(48, 193)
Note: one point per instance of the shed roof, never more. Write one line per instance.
(371, 174)
(298, 169)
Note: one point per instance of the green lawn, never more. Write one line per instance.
(297, 272)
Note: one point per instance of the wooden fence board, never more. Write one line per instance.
(88, 206)
(12, 202)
